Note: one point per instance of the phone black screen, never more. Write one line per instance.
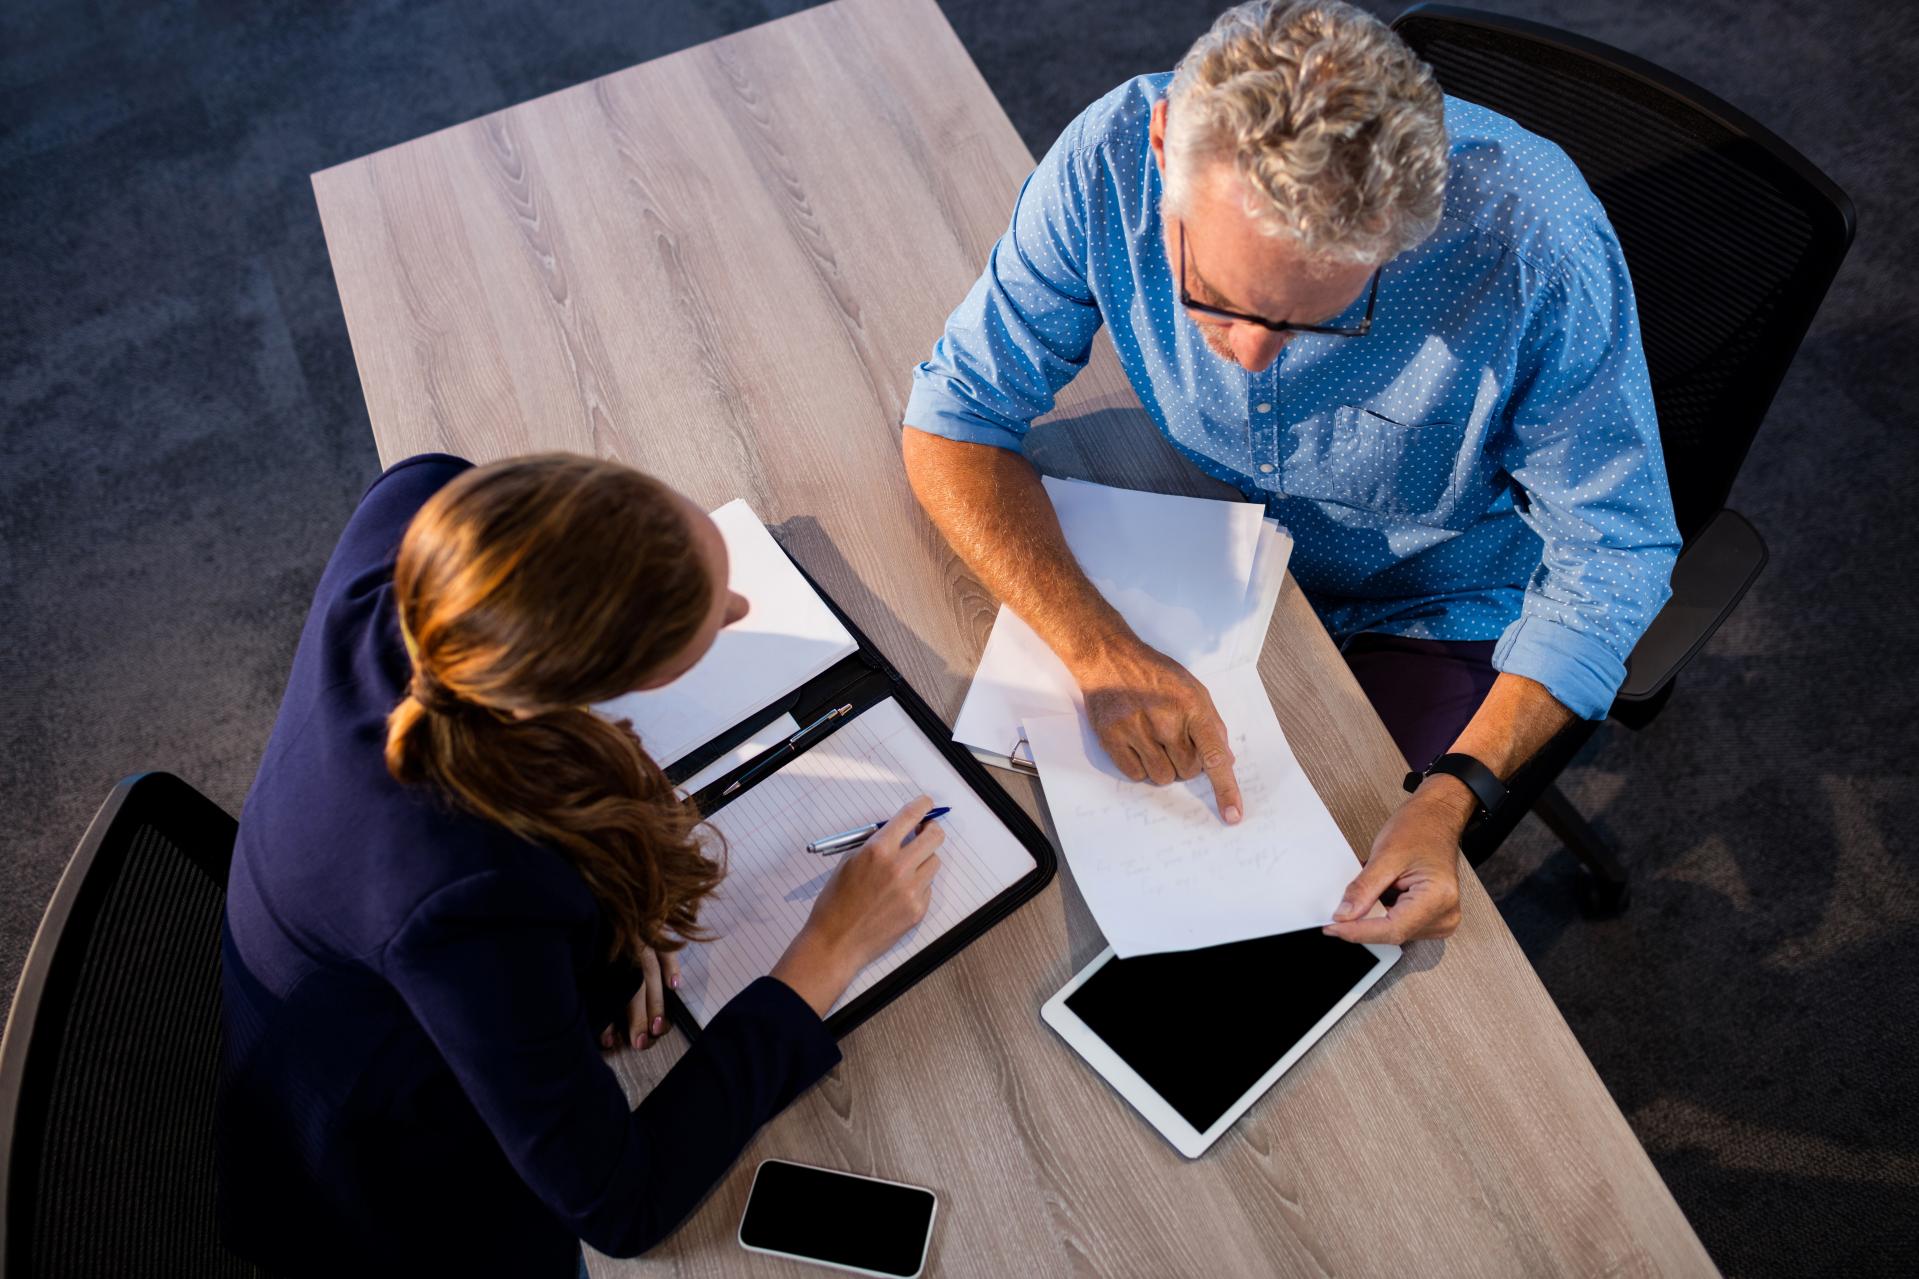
(838, 1218)
(1201, 1026)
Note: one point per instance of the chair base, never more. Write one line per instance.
(1604, 889)
(1600, 898)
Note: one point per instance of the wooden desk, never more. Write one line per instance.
(720, 267)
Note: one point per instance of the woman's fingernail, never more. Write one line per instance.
(659, 1026)
(1345, 909)
(639, 1041)
(1231, 814)
(674, 981)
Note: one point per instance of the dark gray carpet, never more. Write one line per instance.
(184, 436)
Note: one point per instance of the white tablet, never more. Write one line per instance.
(1193, 1038)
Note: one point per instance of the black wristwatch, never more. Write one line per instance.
(1482, 781)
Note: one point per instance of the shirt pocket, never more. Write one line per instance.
(1357, 458)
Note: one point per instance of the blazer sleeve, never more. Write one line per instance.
(372, 536)
(486, 966)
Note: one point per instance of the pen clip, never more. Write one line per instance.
(830, 715)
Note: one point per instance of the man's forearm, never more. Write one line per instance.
(990, 506)
(1517, 718)
(1155, 720)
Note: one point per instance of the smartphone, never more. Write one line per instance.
(860, 1224)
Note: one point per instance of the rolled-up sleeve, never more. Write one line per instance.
(486, 968)
(1026, 327)
(1584, 447)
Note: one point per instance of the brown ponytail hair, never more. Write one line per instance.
(538, 585)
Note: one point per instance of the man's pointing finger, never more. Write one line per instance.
(1217, 759)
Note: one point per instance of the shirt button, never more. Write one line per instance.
(1262, 408)
(1265, 468)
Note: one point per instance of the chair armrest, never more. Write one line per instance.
(1711, 576)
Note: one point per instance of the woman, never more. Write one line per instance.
(451, 876)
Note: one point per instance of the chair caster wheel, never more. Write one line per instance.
(1601, 898)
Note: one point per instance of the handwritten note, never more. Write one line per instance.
(865, 772)
(1158, 868)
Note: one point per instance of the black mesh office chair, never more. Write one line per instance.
(111, 1054)
(1732, 238)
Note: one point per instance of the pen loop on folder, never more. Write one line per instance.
(791, 743)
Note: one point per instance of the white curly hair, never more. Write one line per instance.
(1337, 130)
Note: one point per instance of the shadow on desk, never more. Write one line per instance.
(896, 639)
(1117, 444)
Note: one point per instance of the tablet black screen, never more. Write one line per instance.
(1201, 1026)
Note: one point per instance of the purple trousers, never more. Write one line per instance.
(1425, 690)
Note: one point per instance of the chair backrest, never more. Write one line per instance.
(1731, 236)
(111, 1055)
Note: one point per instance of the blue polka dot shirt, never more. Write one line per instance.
(1485, 464)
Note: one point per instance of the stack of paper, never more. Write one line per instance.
(787, 637)
(1195, 578)
(1198, 580)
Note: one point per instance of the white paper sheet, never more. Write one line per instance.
(1018, 677)
(761, 739)
(1158, 868)
(1262, 595)
(865, 772)
(1195, 578)
(788, 636)
(1176, 568)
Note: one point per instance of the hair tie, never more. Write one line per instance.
(435, 696)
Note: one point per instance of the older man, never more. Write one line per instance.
(1397, 319)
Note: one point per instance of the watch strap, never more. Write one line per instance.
(1482, 781)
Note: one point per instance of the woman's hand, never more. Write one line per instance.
(644, 1022)
(880, 891)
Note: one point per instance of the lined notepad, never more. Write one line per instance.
(865, 772)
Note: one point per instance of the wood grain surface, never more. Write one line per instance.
(721, 267)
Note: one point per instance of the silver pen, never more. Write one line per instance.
(847, 840)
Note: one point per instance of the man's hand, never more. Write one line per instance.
(1417, 853)
(1153, 718)
(1158, 722)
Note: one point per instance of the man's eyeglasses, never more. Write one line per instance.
(1360, 330)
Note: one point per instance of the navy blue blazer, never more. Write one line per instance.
(413, 996)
